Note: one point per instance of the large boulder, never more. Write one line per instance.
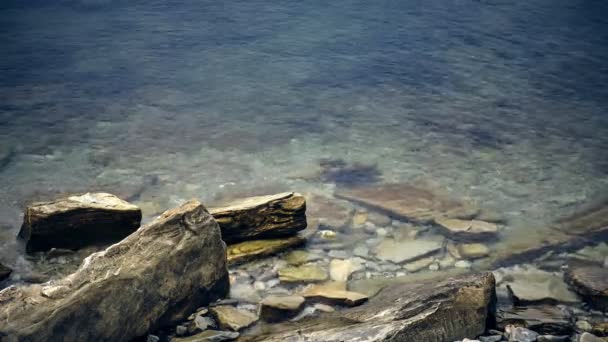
(448, 310)
(261, 217)
(78, 221)
(155, 277)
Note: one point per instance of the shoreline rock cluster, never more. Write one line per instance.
(236, 272)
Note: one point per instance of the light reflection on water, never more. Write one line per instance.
(502, 102)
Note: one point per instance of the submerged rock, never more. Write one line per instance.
(468, 229)
(408, 202)
(591, 282)
(280, 308)
(438, 311)
(261, 217)
(400, 251)
(5, 272)
(330, 212)
(473, 250)
(250, 250)
(544, 319)
(154, 278)
(305, 273)
(78, 221)
(230, 318)
(537, 286)
(333, 296)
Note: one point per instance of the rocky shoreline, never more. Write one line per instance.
(375, 263)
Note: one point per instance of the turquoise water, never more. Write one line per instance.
(496, 101)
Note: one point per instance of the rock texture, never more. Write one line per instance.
(261, 217)
(78, 221)
(230, 318)
(455, 308)
(333, 296)
(544, 319)
(400, 251)
(409, 202)
(5, 272)
(467, 229)
(280, 308)
(591, 282)
(153, 278)
(304, 273)
(250, 250)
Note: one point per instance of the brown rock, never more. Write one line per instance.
(468, 229)
(78, 221)
(330, 295)
(250, 250)
(408, 202)
(230, 318)
(261, 217)
(155, 277)
(280, 308)
(438, 311)
(591, 282)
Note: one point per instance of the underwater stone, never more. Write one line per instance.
(473, 250)
(280, 308)
(468, 229)
(270, 216)
(303, 273)
(250, 250)
(591, 282)
(230, 318)
(536, 286)
(544, 319)
(408, 250)
(176, 263)
(78, 221)
(330, 212)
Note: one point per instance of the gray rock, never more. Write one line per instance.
(536, 286)
(454, 308)
(520, 334)
(152, 338)
(361, 251)
(277, 215)
(544, 319)
(552, 338)
(203, 323)
(492, 338)
(5, 272)
(78, 221)
(177, 263)
(587, 337)
(398, 251)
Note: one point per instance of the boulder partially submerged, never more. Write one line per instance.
(78, 221)
(153, 278)
(257, 217)
(449, 310)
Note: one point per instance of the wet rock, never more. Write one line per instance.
(584, 326)
(244, 292)
(551, 338)
(492, 338)
(535, 286)
(519, 334)
(177, 262)
(342, 173)
(359, 218)
(400, 251)
(250, 250)
(333, 296)
(78, 221)
(323, 307)
(203, 323)
(379, 219)
(331, 213)
(591, 282)
(230, 318)
(544, 319)
(261, 217)
(419, 264)
(305, 273)
(473, 250)
(468, 229)
(463, 264)
(455, 308)
(152, 338)
(209, 336)
(5, 272)
(408, 202)
(361, 251)
(587, 337)
(280, 308)
(340, 270)
(297, 257)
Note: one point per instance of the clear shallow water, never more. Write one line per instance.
(501, 102)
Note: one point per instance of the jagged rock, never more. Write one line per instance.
(230, 318)
(333, 296)
(209, 336)
(400, 251)
(78, 221)
(280, 308)
(153, 278)
(544, 319)
(449, 310)
(408, 202)
(304, 273)
(261, 217)
(591, 282)
(468, 229)
(249, 250)
(5, 272)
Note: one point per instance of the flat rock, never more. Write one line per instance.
(78, 221)
(520, 334)
(331, 213)
(467, 229)
(419, 264)
(250, 250)
(280, 308)
(400, 251)
(304, 273)
(209, 336)
(591, 282)
(230, 318)
(298, 257)
(261, 217)
(537, 287)
(340, 270)
(408, 202)
(454, 308)
(176, 263)
(473, 250)
(544, 319)
(333, 296)
(5, 272)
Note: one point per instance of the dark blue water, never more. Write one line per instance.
(500, 101)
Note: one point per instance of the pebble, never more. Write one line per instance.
(381, 232)
(587, 337)
(272, 283)
(323, 307)
(463, 264)
(520, 334)
(493, 338)
(259, 285)
(434, 267)
(203, 323)
(584, 326)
